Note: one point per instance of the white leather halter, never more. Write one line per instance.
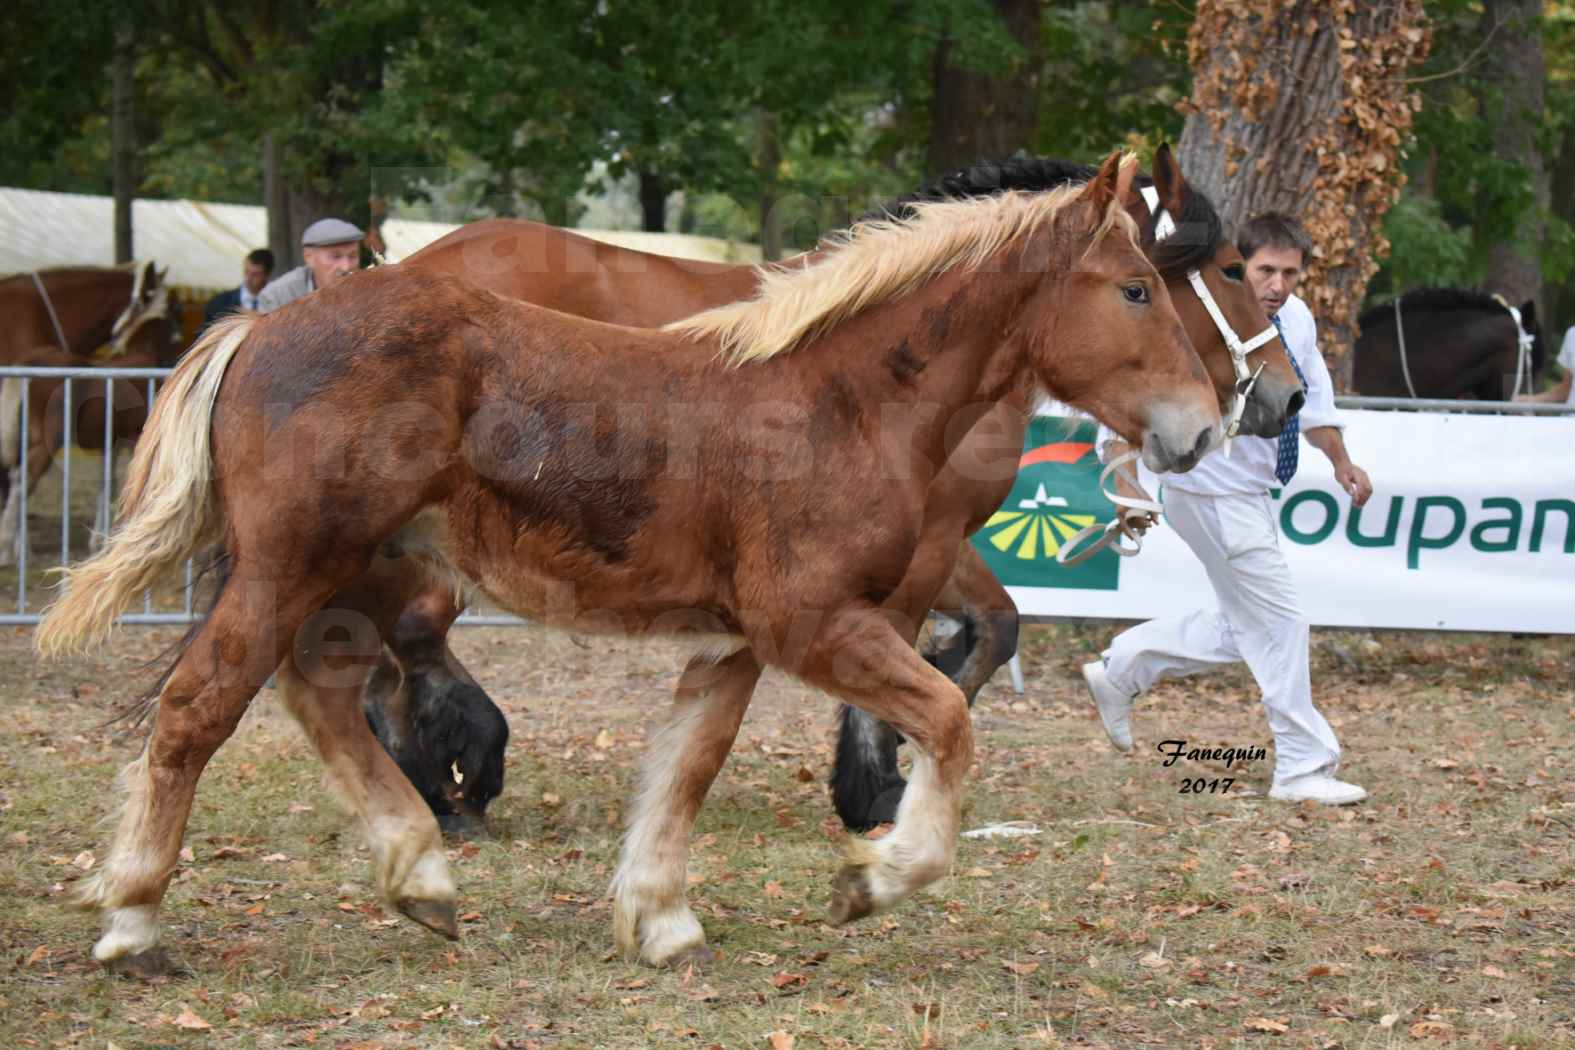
(1165, 226)
(1524, 342)
(1129, 508)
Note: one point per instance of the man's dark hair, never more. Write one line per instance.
(262, 257)
(1272, 229)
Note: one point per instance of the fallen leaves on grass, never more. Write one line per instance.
(188, 1018)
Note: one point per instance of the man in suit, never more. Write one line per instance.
(255, 272)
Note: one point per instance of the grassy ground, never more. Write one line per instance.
(1441, 911)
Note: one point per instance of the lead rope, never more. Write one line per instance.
(1129, 509)
(1405, 369)
(54, 318)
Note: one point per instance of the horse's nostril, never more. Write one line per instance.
(1294, 405)
(1200, 446)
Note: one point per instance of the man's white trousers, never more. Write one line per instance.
(1257, 619)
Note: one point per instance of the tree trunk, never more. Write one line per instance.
(980, 116)
(653, 202)
(1514, 65)
(1300, 106)
(286, 253)
(1558, 299)
(769, 159)
(123, 142)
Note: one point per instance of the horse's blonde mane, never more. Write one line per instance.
(878, 261)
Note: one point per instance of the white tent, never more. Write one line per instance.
(203, 244)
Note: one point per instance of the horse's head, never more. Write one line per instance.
(1187, 242)
(150, 329)
(1113, 344)
(147, 282)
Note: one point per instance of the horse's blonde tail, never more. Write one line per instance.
(11, 422)
(167, 509)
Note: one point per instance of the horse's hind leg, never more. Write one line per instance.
(651, 918)
(420, 680)
(862, 659)
(409, 867)
(202, 699)
(865, 783)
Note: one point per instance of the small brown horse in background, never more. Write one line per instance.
(769, 500)
(91, 304)
(147, 341)
(86, 306)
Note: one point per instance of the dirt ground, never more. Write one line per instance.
(1137, 915)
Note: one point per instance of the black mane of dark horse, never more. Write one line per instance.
(1199, 228)
(1459, 342)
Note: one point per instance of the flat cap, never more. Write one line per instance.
(329, 231)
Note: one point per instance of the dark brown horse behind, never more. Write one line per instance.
(777, 507)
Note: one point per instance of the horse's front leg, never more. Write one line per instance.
(651, 918)
(866, 785)
(864, 659)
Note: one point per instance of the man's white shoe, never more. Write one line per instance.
(1317, 787)
(1115, 707)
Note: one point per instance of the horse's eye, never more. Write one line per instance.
(1135, 293)
(1235, 272)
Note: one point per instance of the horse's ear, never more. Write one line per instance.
(1528, 314)
(1102, 189)
(1168, 183)
(1126, 182)
(161, 276)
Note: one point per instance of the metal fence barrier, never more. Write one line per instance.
(27, 612)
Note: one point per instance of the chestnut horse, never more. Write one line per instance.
(145, 342)
(77, 309)
(769, 500)
(86, 306)
(433, 717)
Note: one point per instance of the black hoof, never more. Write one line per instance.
(462, 825)
(441, 917)
(142, 966)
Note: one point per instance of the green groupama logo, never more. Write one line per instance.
(1056, 493)
(1435, 523)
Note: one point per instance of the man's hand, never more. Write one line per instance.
(1137, 521)
(1353, 479)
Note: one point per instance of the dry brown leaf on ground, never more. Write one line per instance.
(188, 1018)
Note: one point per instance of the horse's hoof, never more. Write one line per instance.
(850, 895)
(696, 957)
(143, 966)
(463, 826)
(438, 916)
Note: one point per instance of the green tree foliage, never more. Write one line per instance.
(1461, 194)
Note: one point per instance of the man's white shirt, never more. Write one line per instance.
(1250, 466)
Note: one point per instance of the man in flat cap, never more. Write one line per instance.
(331, 248)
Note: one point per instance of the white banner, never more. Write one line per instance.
(1471, 527)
